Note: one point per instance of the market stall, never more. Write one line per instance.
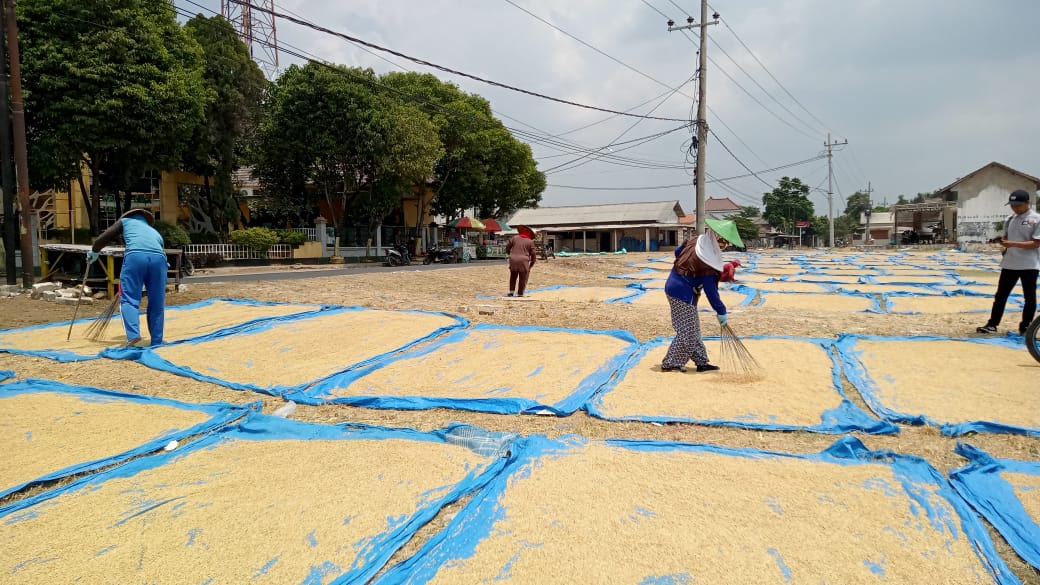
(494, 243)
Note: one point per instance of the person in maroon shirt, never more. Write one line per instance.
(521, 259)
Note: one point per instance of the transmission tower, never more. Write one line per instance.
(254, 22)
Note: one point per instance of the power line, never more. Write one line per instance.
(352, 39)
(770, 73)
(549, 140)
(576, 162)
(716, 117)
(736, 158)
(755, 81)
(713, 179)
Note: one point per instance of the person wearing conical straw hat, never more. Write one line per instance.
(697, 268)
(144, 268)
(521, 252)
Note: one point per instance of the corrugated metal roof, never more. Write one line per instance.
(608, 226)
(720, 204)
(667, 212)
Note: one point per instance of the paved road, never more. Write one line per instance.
(286, 273)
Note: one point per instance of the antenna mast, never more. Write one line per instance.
(257, 30)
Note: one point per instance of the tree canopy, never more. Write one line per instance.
(235, 86)
(787, 204)
(116, 85)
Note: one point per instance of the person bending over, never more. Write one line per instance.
(144, 268)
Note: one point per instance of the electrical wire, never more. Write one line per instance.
(770, 73)
(549, 140)
(355, 40)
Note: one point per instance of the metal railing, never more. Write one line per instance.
(236, 252)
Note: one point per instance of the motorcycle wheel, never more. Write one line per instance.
(393, 261)
(1031, 339)
(189, 268)
(428, 259)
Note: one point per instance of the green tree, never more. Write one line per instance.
(787, 204)
(750, 211)
(112, 85)
(413, 148)
(320, 127)
(856, 204)
(747, 229)
(483, 165)
(236, 86)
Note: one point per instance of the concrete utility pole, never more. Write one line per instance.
(870, 210)
(830, 187)
(702, 103)
(21, 159)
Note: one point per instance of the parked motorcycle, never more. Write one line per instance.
(1032, 339)
(441, 255)
(397, 255)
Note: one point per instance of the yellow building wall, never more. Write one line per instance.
(410, 207)
(62, 218)
(170, 209)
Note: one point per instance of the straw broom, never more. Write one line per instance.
(96, 330)
(735, 357)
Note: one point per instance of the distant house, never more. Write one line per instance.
(607, 228)
(968, 210)
(980, 197)
(720, 208)
(880, 226)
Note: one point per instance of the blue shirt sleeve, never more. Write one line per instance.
(711, 290)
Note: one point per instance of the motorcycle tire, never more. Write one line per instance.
(428, 259)
(189, 268)
(393, 261)
(1032, 343)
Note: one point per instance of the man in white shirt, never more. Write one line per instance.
(1021, 242)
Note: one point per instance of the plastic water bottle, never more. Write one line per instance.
(286, 410)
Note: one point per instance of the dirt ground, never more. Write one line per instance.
(456, 290)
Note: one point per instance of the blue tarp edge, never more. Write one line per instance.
(475, 521)
(846, 417)
(149, 358)
(222, 414)
(321, 392)
(380, 548)
(980, 484)
(857, 375)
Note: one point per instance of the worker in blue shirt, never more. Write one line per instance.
(144, 268)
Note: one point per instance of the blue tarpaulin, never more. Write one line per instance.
(624, 292)
(152, 359)
(6, 374)
(598, 373)
(847, 417)
(221, 414)
(64, 355)
(984, 487)
(194, 497)
(858, 375)
(485, 516)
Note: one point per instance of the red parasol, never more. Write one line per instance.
(495, 226)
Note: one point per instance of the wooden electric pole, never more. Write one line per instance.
(21, 158)
(702, 103)
(10, 226)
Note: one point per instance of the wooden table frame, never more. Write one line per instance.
(106, 261)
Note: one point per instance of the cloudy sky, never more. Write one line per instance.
(924, 91)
